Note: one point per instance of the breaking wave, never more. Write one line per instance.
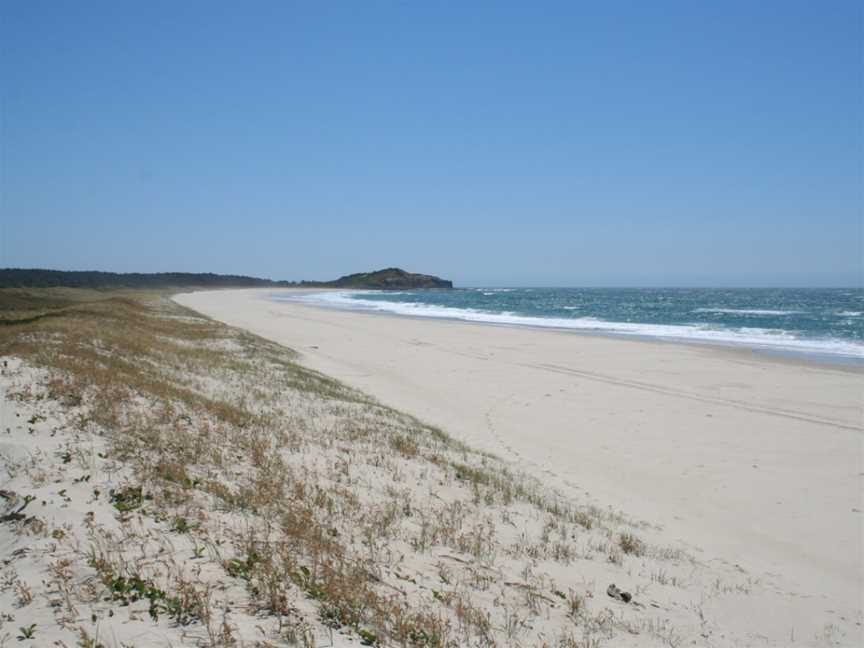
(765, 338)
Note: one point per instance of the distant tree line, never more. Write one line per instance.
(39, 278)
(386, 279)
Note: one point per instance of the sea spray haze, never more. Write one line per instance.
(827, 322)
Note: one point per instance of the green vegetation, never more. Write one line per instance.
(40, 278)
(127, 499)
(27, 632)
(387, 279)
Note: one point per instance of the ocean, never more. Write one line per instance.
(812, 322)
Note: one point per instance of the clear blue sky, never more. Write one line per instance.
(523, 143)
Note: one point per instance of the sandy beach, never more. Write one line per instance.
(749, 460)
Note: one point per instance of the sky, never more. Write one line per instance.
(500, 143)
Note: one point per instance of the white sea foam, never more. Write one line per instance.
(745, 336)
(849, 313)
(746, 311)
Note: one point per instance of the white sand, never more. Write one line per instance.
(750, 460)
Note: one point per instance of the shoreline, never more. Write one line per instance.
(807, 357)
(747, 458)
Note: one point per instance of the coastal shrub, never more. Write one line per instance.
(128, 498)
(630, 544)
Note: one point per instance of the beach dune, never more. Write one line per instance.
(747, 459)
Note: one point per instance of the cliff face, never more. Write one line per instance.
(388, 279)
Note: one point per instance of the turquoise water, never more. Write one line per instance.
(826, 322)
